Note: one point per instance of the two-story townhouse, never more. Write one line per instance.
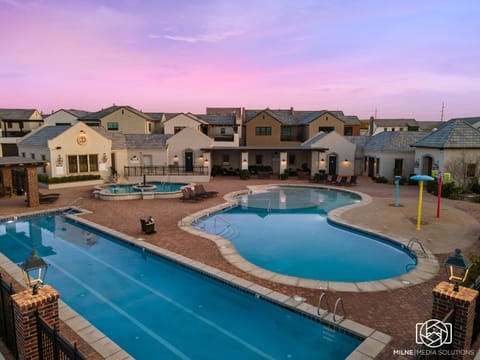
(15, 123)
(125, 119)
(380, 125)
(64, 117)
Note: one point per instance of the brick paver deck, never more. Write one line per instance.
(394, 312)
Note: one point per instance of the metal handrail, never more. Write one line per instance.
(323, 296)
(339, 301)
(223, 219)
(414, 241)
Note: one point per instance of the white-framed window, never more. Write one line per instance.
(82, 163)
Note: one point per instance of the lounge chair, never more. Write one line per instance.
(201, 192)
(342, 182)
(147, 228)
(48, 198)
(353, 180)
(188, 195)
(333, 179)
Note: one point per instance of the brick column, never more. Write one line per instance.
(32, 187)
(463, 300)
(7, 177)
(24, 307)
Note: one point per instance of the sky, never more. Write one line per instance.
(392, 59)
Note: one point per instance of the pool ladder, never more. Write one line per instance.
(338, 303)
(416, 241)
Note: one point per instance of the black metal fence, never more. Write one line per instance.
(7, 321)
(164, 170)
(52, 346)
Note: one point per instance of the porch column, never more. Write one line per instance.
(283, 161)
(315, 161)
(25, 304)
(244, 160)
(207, 161)
(463, 302)
(32, 187)
(7, 178)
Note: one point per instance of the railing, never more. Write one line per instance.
(164, 170)
(229, 138)
(53, 346)
(291, 138)
(7, 322)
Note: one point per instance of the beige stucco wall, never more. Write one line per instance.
(387, 163)
(188, 140)
(181, 120)
(264, 120)
(60, 116)
(326, 120)
(128, 122)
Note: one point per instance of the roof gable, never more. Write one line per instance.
(42, 135)
(16, 114)
(99, 115)
(393, 141)
(455, 134)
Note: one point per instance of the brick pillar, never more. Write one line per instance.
(24, 307)
(32, 187)
(7, 177)
(463, 300)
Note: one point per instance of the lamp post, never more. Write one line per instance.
(34, 271)
(397, 185)
(420, 179)
(457, 267)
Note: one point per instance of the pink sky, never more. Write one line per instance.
(181, 56)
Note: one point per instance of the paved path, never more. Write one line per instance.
(394, 312)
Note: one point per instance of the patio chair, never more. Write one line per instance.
(353, 180)
(342, 182)
(48, 198)
(201, 192)
(333, 179)
(147, 228)
(188, 195)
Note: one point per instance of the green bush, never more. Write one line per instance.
(475, 188)
(381, 180)
(449, 190)
(245, 175)
(284, 176)
(476, 199)
(65, 179)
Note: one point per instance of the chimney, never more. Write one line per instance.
(370, 126)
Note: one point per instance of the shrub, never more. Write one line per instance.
(403, 181)
(64, 179)
(381, 180)
(475, 188)
(449, 190)
(244, 174)
(474, 271)
(284, 176)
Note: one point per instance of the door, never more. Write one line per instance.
(188, 161)
(332, 165)
(371, 167)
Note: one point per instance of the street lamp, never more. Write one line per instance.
(457, 267)
(34, 271)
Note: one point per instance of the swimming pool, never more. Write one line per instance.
(285, 230)
(155, 308)
(152, 190)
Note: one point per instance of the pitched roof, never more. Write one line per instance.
(117, 138)
(360, 140)
(296, 117)
(224, 111)
(155, 115)
(393, 141)
(218, 119)
(314, 139)
(41, 136)
(16, 114)
(471, 120)
(168, 116)
(455, 134)
(77, 113)
(429, 125)
(396, 122)
(104, 112)
(149, 141)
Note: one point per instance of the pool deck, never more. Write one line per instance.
(393, 311)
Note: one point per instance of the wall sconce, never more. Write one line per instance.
(244, 160)
(284, 160)
(58, 148)
(322, 160)
(205, 161)
(346, 161)
(457, 267)
(34, 270)
(82, 131)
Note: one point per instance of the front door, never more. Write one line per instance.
(332, 165)
(188, 161)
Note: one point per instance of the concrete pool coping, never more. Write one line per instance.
(101, 192)
(427, 266)
(372, 344)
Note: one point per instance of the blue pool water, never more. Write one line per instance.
(285, 230)
(159, 187)
(157, 309)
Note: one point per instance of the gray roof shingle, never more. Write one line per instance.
(104, 112)
(149, 141)
(393, 141)
(228, 120)
(43, 134)
(455, 134)
(16, 114)
(396, 122)
(296, 117)
(314, 139)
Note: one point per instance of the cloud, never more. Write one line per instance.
(17, 4)
(209, 38)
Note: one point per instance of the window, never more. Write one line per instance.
(226, 158)
(377, 170)
(44, 157)
(9, 125)
(112, 125)
(325, 129)
(258, 159)
(286, 131)
(401, 129)
(32, 155)
(393, 129)
(471, 170)
(291, 159)
(149, 127)
(177, 129)
(23, 154)
(263, 131)
(398, 169)
(82, 163)
(348, 131)
(222, 131)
